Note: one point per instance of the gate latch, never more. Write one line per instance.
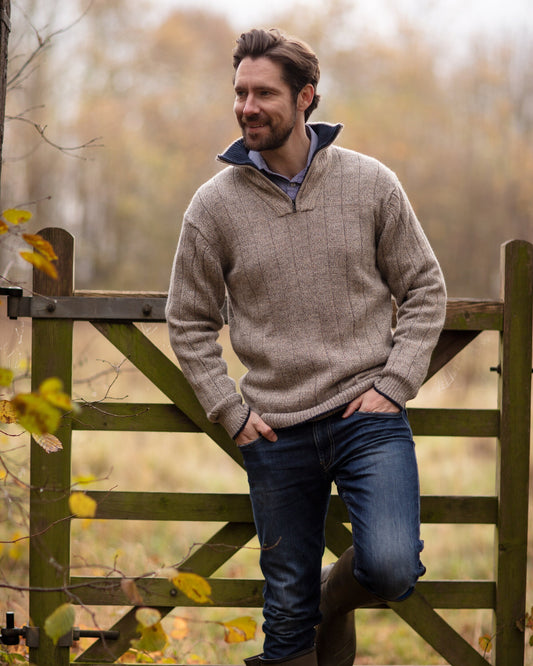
(11, 635)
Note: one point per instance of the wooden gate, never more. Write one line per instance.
(54, 306)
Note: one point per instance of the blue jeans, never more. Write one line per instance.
(371, 459)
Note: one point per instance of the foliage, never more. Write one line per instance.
(38, 412)
(44, 256)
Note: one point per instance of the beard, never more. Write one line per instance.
(275, 138)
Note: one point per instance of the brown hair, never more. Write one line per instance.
(298, 62)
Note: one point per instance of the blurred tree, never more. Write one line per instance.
(164, 111)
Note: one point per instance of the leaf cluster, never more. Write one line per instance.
(38, 412)
(44, 255)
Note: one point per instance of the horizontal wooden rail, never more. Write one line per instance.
(461, 314)
(247, 593)
(230, 507)
(166, 417)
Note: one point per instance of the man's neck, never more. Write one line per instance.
(291, 158)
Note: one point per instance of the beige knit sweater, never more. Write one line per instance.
(309, 288)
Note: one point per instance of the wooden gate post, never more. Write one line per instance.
(514, 443)
(50, 472)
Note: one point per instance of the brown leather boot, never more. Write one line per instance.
(307, 658)
(340, 595)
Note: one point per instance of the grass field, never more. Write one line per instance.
(185, 462)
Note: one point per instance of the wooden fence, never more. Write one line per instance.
(54, 306)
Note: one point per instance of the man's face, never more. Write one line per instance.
(264, 105)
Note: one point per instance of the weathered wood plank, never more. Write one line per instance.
(151, 361)
(450, 343)
(50, 474)
(152, 417)
(513, 464)
(419, 614)
(468, 510)
(236, 507)
(454, 422)
(463, 314)
(127, 416)
(247, 593)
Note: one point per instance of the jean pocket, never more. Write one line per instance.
(251, 444)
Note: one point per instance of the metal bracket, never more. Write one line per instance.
(11, 635)
(14, 297)
(84, 308)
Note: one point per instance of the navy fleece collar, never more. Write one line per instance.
(237, 154)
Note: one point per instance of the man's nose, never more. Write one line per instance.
(251, 108)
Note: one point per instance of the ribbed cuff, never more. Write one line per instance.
(394, 402)
(243, 425)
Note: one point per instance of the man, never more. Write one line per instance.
(309, 241)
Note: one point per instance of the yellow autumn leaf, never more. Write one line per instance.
(41, 263)
(3, 227)
(50, 443)
(36, 414)
(16, 216)
(16, 547)
(60, 622)
(41, 245)
(83, 480)
(485, 643)
(193, 586)
(6, 376)
(8, 414)
(81, 505)
(195, 659)
(239, 630)
(52, 391)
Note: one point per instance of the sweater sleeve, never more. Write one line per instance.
(193, 312)
(410, 268)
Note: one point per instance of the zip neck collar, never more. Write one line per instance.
(237, 155)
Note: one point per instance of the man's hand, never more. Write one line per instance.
(370, 401)
(255, 427)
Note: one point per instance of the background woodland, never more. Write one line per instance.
(149, 95)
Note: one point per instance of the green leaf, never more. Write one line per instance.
(60, 622)
(6, 376)
(153, 637)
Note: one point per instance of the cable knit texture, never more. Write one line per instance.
(309, 289)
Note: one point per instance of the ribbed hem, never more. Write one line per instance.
(336, 402)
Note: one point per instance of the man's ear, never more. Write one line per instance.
(305, 97)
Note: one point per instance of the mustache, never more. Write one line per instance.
(256, 117)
